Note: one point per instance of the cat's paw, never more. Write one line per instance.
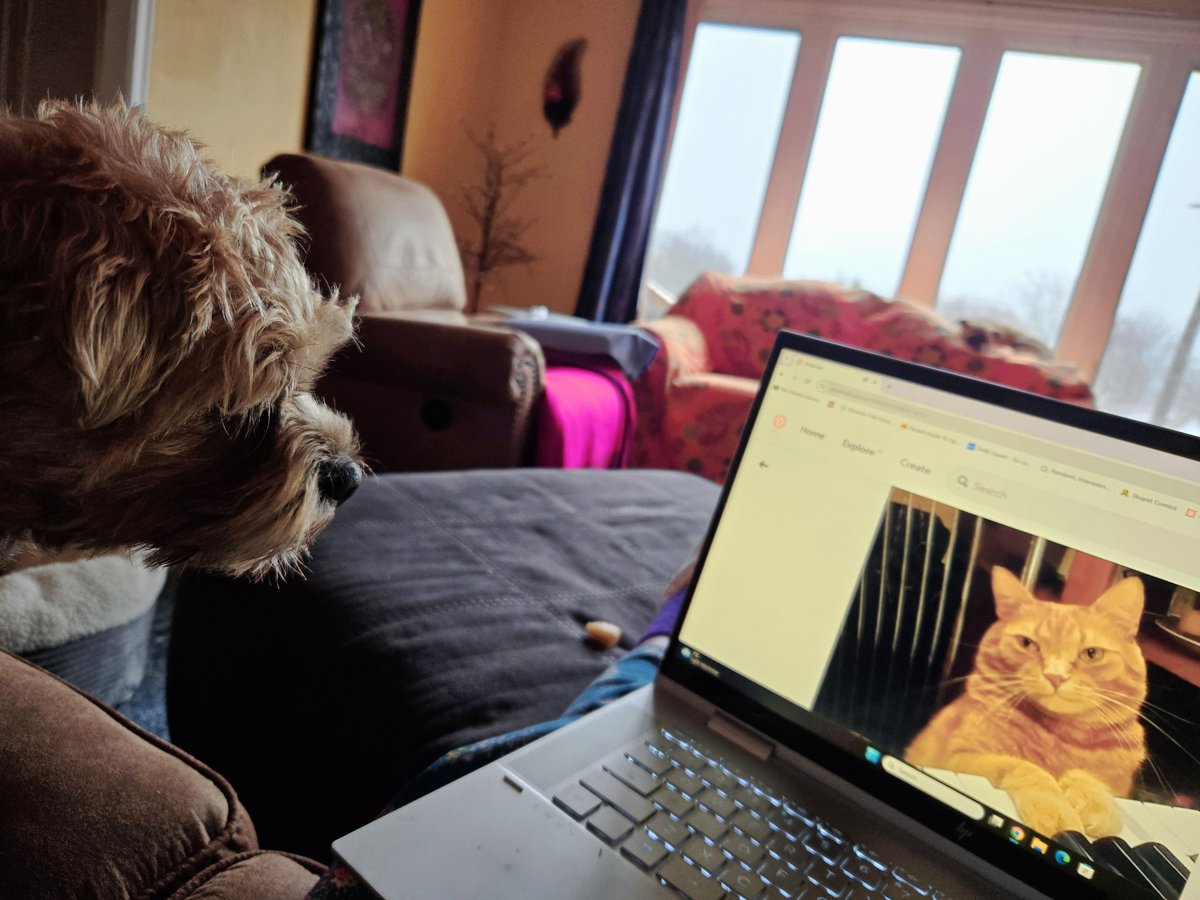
(1049, 813)
(1040, 802)
(1094, 802)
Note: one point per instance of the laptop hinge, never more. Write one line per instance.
(731, 731)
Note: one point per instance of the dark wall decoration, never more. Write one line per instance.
(560, 92)
(362, 68)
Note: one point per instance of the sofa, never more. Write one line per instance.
(439, 608)
(93, 807)
(717, 337)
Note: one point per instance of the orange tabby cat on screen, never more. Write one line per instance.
(1050, 710)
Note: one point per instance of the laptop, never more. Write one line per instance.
(815, 730)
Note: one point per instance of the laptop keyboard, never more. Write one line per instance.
(709, 831)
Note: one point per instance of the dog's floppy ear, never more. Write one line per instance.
(121, 347)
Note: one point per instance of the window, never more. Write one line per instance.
(988, 162)
(724, 142)
(880, 118)
(1155, 330)
(1039, 173)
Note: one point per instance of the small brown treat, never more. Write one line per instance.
(604, 635)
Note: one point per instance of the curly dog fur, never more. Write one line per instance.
(159, 341)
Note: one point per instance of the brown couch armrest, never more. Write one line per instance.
(479, 362)
(427, 395)
(92, 806)
(253, 875)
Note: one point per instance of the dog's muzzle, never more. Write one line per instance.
(338, 479)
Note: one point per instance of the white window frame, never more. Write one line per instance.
(1167, 48)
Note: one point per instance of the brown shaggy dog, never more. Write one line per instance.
(159, 339)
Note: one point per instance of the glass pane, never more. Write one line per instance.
(1043, 162)
(1161, 292)
(879, 124)
(729, 118)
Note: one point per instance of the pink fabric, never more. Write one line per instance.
(586, 418)
(694, 397)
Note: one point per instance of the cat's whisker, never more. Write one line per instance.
(958, 680)
(1131, 743)
(1148, 721)
(1123, 734)
(1016, 699)
(1146, 704)
(1009, 701)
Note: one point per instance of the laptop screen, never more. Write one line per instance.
(981, 606)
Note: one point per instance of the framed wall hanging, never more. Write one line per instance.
(362, 69)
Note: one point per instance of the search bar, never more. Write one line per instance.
(936, 789)
(985, 484)
(1068, 519)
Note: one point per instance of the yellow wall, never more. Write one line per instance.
(234, 74)
(483, 61)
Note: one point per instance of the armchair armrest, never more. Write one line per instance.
(683, 354)
(683, 351)
(463, 360)
(431, 395)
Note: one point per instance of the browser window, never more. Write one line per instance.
(889, 553)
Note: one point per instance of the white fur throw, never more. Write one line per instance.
(51, 604)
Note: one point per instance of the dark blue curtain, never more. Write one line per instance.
(613, 273)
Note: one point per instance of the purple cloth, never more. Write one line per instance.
(664, 620)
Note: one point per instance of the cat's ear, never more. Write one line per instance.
(1122, 604)
(1011, 596)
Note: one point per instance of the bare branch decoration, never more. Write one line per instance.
(488, 203)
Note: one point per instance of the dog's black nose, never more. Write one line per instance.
(338, 479)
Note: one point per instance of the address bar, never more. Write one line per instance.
(839, 390)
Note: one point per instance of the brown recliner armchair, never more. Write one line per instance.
(427, 387)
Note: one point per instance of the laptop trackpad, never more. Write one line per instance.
(493, 840)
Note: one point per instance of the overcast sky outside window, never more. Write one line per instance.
(1166, 264)
(1162, 288)
(737, 84)
(1035, 187)
(876, 134)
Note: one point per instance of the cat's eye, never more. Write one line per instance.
(1092, 654)
(1027, 643)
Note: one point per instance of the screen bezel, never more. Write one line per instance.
(826, 743)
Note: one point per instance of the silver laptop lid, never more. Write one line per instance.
(977, 604)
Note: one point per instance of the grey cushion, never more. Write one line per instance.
(440, 608)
